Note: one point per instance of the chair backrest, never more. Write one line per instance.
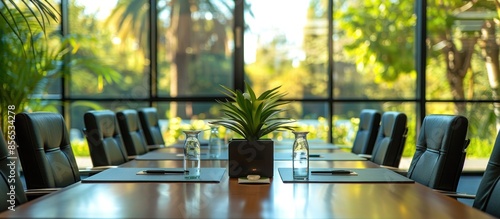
(149, 123)
(369, 122)
(10, 176)
(133, 136)
(440, 152)
(488, 193)
(391, 139)
(45, 150)
(104, 139)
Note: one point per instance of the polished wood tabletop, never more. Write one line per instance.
(229, 199)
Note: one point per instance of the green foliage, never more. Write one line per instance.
(411, 138)
(479, 148)
(253, 117)
(381, 30)
(28, 60)
(80, 148)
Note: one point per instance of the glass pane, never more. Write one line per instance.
(310, 116)
(197, 115)
(36, 105)
(346, 121)
(50, 85)
(111, 49)
(374, 49)
(195, 47)
(463, 59)
(288, 48)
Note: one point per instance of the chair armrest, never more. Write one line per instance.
(88, 171)
(36, 193)
(155, 146)
(456, 194)
(100, 168)
(40, 192)
(367, 156)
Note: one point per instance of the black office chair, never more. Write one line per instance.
(487, 197)
(369, 122)
(133, 136)
(440, 152)
(45, 150)
(391, 139)
(148, 117)
(104, 139)
(10, 177)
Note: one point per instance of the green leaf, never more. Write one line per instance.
(253, 117)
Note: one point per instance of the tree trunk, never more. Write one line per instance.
(490, 50)
(181, 41)
(457, 64)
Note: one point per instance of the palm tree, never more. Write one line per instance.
(26, 59)
(185, 36)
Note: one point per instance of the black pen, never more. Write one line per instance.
(332, 172)
(314, 155)
(165, 171)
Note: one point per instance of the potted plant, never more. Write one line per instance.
(26, 61)
(252, 117)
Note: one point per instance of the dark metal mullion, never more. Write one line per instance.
(238, 57)
(153, 52)
(65, 79)
(420, 60)
(330, 70)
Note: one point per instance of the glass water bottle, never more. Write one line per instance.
(214, 142)
(300, 163)
(192, 154)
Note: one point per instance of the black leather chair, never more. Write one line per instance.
(132, 134)
(369, 123)
(150, 126)
(45, 150)
(440, 152)
(10, 177)
(104, 139)
(391, 139)
(487, 197)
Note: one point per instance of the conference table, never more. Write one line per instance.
(228, 198)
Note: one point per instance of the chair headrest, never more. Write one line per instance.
(49, 129)
(131, 118)
(104, 121)
(438, 129)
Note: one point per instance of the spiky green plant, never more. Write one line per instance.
(253, 117)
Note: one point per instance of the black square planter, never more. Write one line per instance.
(251, 158)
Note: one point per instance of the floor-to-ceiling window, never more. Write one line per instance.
(332, 57)
(109, 67)
(290, 50)
(462, 69)
(373, 60)
(195, 44)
